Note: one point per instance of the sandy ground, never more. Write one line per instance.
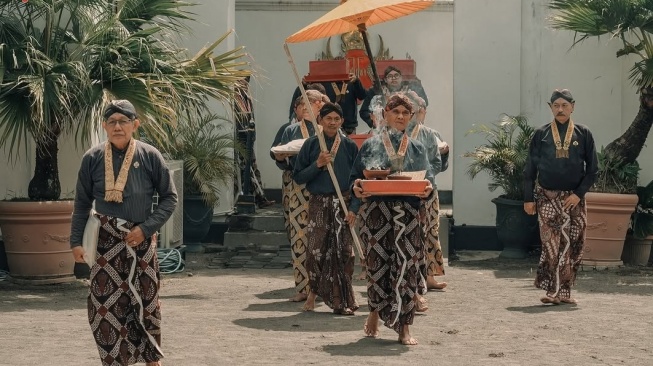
(489, 315)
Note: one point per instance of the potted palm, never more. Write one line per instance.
(206, 148)
(60, 62)
(637, 249)
(627, 22)
(503, 157)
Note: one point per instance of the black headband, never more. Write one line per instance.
(120, 106)
(564, 94)
(329, 107)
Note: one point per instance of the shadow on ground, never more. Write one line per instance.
(318, 321)
(367, 347)
(20, 297)
(622, 280)
(539, 309)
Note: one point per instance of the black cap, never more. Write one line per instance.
(121, 106)
(564, 94)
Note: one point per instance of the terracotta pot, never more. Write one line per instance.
(376, 173)
(608, 216)
(637, 251)
(37, 241)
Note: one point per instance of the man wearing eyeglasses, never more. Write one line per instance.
(393, 82)
(120, 176)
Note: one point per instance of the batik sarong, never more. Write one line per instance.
(330, 256)
(396, 270)
(563, 235)
(286, 189)
(123, 301)
(298, 219)
(430, 215)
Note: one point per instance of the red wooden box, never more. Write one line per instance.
(390, 187)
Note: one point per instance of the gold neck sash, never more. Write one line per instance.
(403, 146)
(304, 129)
(114, 188)
(562, 149)
(336, 145)
(415, 132)
(340, 92)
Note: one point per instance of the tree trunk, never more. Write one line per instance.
(45, 185)
(629, 145)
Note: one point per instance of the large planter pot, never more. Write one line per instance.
(37, 241)
(516, 230)
(197, 222)
(637, 251)
(608, 216)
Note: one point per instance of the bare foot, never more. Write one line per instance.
(299, 297)
(421, 304)
(371, 327)
(432, 284)
(550, 300)
(569, 300)
(362, 275)
(405, 338)
(309, 305)
(345, 311)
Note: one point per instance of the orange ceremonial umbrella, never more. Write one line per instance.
(358, 15)
(348, 16)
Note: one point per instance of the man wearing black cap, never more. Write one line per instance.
(561, 168)
(120, 176)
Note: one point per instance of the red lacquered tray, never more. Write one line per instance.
(360, 138)
(394, 187)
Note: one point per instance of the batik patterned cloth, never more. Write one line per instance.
(563, 236)
(430, 215)
(123, 302)
(298, 220)
(396, 269)
(330, 256)
(286, 189)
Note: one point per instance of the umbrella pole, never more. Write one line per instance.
(323, 147)
(377, 81)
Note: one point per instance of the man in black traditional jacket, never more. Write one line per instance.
(561, 168)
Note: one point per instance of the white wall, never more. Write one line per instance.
(214, 19)
(426, 37)
(510, 62)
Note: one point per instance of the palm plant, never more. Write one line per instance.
(503, 156)
(62, 60)
(631, 22)
(207, 152)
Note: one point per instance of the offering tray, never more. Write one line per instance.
(393, 187)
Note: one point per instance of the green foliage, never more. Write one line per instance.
(642, 219)
(503, 156)
(629, 21)
(62, 60)
(206, 148)
(614, 176)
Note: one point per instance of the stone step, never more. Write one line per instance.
(234, 239)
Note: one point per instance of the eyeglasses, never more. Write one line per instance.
(404, 113)
(121, 122)
(332, 119)
(393, 76)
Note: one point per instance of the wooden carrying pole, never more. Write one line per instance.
(323, 148)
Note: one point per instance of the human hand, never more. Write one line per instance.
(78, 254)
(350, 218)
(427, 191)
(444, 149)
(323, 159)
(530, 208)
(135, 236)
(280, 156)
(352, 77)
(570, 202)
(358, 190)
